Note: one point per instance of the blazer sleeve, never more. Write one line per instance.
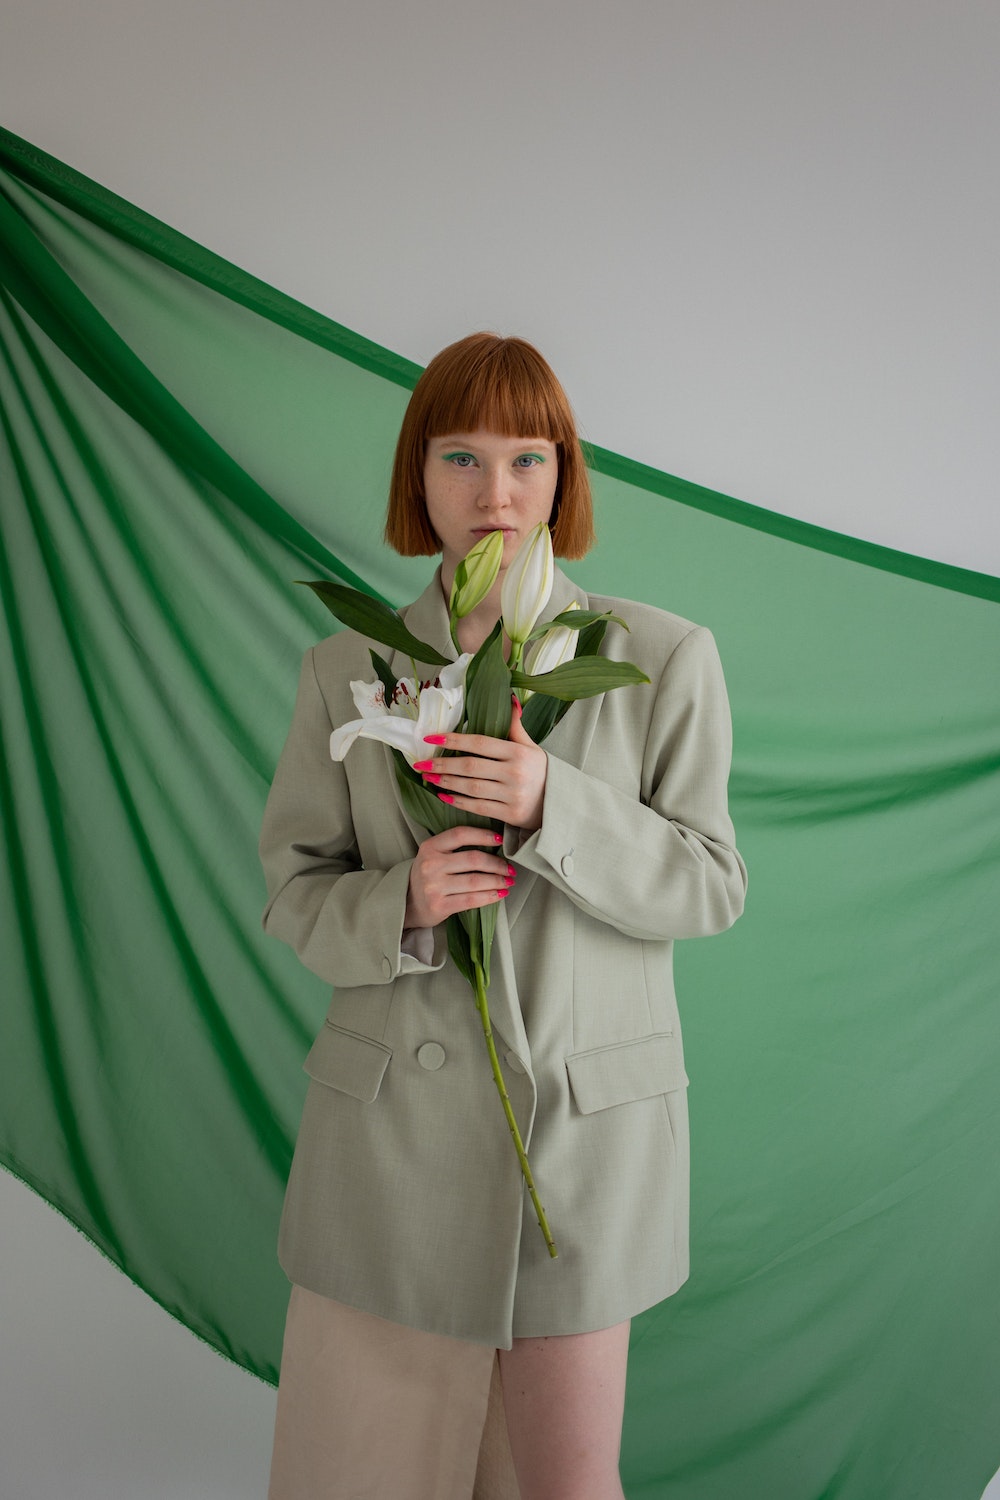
(343, 920)
(665, 866)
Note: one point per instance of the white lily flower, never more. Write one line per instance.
(527, 585)
(557, 645)
(413, 712)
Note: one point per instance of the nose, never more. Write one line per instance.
(494, 492)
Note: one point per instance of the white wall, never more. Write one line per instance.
(759, 243)
(102, 1395)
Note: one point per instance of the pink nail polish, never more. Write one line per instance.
(501, 895)
(498, 838)
(434, 776)
(511, 873)
(444, 797)
(423, 765)
(435, 739)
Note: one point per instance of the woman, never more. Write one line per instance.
(423, 1294)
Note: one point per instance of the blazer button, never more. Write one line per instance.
(431, 1056)
(566, 864)
(513, 1062)
(387, 967)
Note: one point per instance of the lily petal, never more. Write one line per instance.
(440, 713)
(410, 715)
(343, 738)
(453, 675)
(527, 584)
(369, 698)
(550, 650)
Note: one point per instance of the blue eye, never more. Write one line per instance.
(528, 460)
(460, 460)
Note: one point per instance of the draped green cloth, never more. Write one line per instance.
(179, 444)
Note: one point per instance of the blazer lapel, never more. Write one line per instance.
(427, 619)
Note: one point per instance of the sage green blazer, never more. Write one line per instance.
(405, 1198)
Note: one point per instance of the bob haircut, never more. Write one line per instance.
(505, 386)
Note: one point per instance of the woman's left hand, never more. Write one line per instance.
(502, 779)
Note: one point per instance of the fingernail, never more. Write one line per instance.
(511, 872)
(444, 797)
(423, 765)
(434, 776)
(434, 739)
(498, 838)
(501, 895)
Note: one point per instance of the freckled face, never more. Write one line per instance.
(478, 482)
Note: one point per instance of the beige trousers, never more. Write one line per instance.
(368, 1410)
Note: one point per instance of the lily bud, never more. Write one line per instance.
(527, 585)
(557, 645)
(475, 575)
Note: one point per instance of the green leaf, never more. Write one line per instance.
(541, 714)
(487, 692)
(459, 948)
(590, 640)
(488, 921)
(583, 677)
(471, 932)
(472, 670)
(427, 809)
(375, 620)
(469, 920)
(550, 710)
(576, 619)
(404, 769)
(480, 925)
(458, 583)
(384, 672)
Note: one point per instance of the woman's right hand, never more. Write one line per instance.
(456, 871)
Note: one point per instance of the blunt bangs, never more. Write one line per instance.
(505, 388)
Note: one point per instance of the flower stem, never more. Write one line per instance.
(482, 1005)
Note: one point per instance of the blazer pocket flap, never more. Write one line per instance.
(346, 1061)
(626, 1071)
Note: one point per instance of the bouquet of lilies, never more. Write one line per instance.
(548, 666)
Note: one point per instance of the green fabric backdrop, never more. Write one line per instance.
(179, 442)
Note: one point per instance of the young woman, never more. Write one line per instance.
(428, 1326)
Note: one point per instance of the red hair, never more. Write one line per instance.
(505, 386)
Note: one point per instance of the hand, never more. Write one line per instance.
(502, 779)
(448, 875)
